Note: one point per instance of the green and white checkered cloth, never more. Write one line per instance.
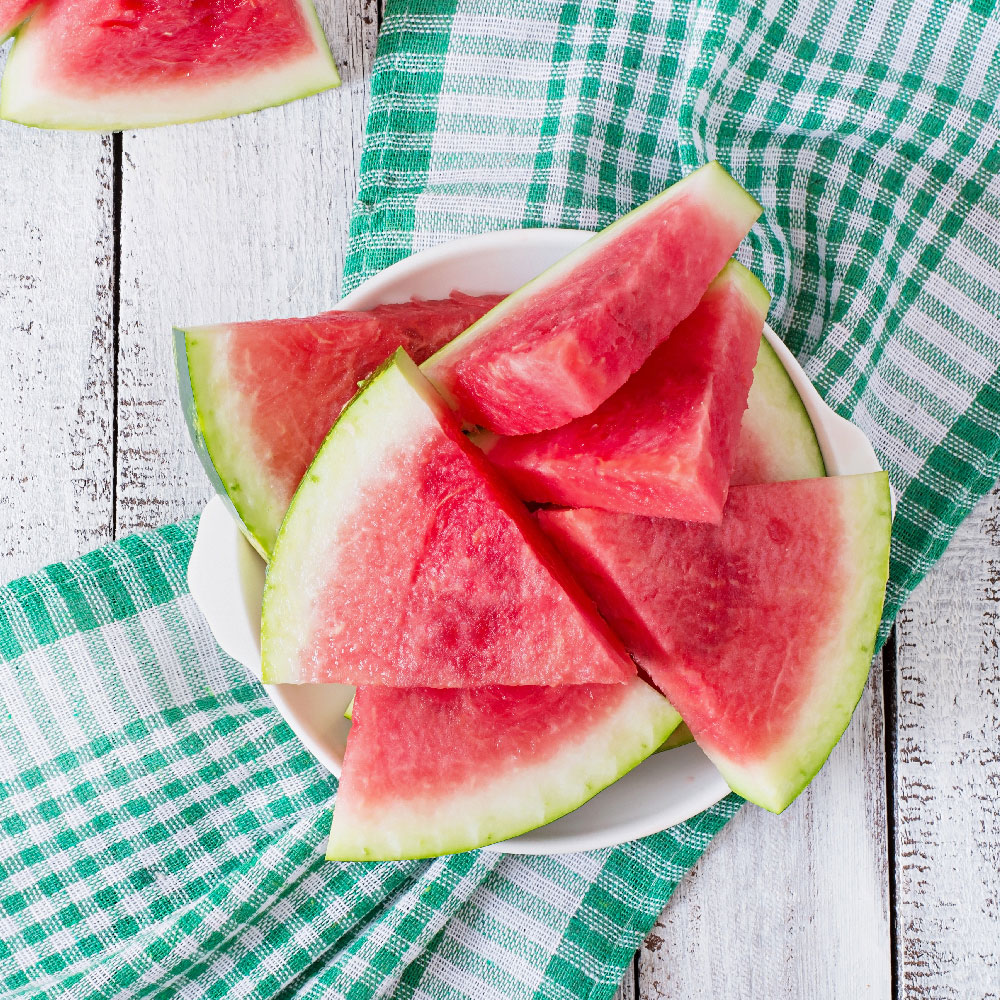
(163, 831)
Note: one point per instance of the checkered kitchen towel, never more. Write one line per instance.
(162, 831)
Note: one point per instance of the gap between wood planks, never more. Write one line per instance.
(889, 708)
(116, 275)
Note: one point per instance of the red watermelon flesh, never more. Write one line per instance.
(759, 630)
(107, 63)
(665, 442)
(430, 771)
(207, 38)
(13, 13)
(265, 394)
(405, 560)
(561, 345)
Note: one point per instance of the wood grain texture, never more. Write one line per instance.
(56, 262)
(794, 905)
(947, 771)
(238, 219)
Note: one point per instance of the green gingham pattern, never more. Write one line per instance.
(163, 830)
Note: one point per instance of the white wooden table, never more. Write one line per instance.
(881, 881)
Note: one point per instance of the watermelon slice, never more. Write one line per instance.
(777, 441)
(405, 560)
(115, 64)
(664, 444)
(260, 397)
(759, 630)
(431, 772)
(562, 344)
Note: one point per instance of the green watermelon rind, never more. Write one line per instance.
(728, 195)
(776, 780)
(510, 803)
(749, 284)
(20, 99)
(210, 408)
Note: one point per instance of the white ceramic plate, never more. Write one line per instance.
(226, 574)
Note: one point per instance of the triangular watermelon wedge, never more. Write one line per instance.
(561, 345)
(117, 64)
(260, 397)
(431, 772)
(405, 560)
(760, 630)
(665, 443)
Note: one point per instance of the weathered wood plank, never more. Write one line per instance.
(947, 771)
(793, 905)
(238, 219)
(627, 989)
(56, 266)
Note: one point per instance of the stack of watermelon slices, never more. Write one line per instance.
(688, 529)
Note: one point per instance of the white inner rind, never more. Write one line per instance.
(776, 415)
(516, 798)
(727, 199)
(224, 426)
(396, 411)
(840, 666)
(31, 94)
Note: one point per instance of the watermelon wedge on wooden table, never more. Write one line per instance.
(759, 630)
(432, 771)
(664, 444)
(561, 345)
(117, 64)
(259, 398)
(405, 560)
